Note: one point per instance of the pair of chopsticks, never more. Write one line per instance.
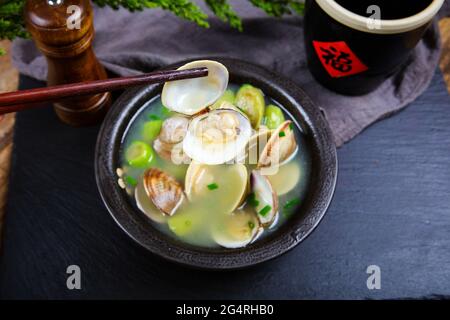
(32, 98)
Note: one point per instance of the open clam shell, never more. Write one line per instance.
(217, 137)
(280, 147)
(164, 191)
(265, 199)
(191, 96)
(237, 229)
(223, 187)
(144, 204)
(256, 145)
(286, 178)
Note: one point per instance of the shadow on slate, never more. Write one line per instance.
(391, 209)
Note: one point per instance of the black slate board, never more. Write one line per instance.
(391, 209)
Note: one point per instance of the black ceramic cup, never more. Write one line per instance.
(307, 117)
(353, 46)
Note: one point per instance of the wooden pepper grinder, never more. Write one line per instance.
(63, 31)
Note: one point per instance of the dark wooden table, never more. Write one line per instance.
(391, 209)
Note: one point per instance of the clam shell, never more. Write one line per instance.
(171, 152)
(265, 196)
(256, 145)
(164, 191)
(191, 96)
(204, 149)
(237, 229)
(280, 147)
(286, 178)
(231, 182)
(144, 204)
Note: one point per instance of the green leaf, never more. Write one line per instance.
(182, 8)
(223, 10)
(280, 7)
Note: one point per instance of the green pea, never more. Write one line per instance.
(273, 117)
(251, 101)
(151, 129)
(228, 96)
(139, 154)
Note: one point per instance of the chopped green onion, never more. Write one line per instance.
(213, 186)
(251, 199)
(264, 211)
(291, 126)
(251, 225)
(131, 181)
(154, 117)
(291, 203)
(281, 134)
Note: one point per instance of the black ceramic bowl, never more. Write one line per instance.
(302, 223)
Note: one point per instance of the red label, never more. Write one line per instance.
(338, 59)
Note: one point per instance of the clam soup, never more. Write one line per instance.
(224, 175)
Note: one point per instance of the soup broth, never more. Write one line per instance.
(201, 219)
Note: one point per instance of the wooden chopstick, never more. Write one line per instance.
(32, 98)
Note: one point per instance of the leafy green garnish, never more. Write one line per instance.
(264, 211)
(291, 126)
(288, 206)
(251, 200)
(213, 186)
(291, 203)
(281, 134)
(154, 117)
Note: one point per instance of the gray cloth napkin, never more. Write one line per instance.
(130, 43)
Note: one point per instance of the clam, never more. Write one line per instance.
(171, 152)
(168, 144)
(280, 147)
(265, 199)
(286, 178)
(144, 204)
(256, 145)
(222, 187)
(173, 129)
(237, 229)
(217, 137)
(164, 191)
(191, 96)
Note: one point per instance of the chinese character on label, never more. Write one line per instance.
(338, 59)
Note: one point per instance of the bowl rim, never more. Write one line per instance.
(308, 116)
